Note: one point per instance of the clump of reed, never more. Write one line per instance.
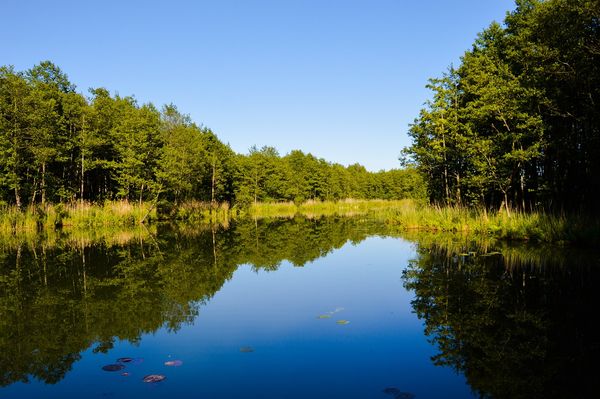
(536, 226)
(110, 213)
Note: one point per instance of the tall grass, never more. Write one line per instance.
(37, 219)
(205, 212)
(525, 226)
(111, 213)
(312, 209)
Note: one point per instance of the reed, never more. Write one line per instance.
(536, 226)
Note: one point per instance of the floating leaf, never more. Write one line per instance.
(151, 378)
(174, 363)
(324, 316)
(463, 254)
(342, 322)
(124, 359)
(246, 349)
(125, 374)
(113, 367)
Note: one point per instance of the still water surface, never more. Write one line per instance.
(328, 308)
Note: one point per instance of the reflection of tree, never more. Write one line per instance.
(58, 300)
(515, 331)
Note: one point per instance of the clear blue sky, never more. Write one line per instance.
(339, 79)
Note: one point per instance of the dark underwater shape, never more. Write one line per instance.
(151, 378)
(113, 367)
(124, 360)
(246, 349)
(398, 394)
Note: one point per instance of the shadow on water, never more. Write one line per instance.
(517, 321)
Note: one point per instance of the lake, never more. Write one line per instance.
(298, 308)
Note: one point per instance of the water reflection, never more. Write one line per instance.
(517, 321)
(61, 296)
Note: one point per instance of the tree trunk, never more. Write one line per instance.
(458, 197)
(82, 175)
(34, 191)
(17, 197)
(506, 203)
(212, 187)
(523, 189)
(43, 184)
(141, 194)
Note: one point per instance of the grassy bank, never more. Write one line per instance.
(530, 226)
(403, 215)
(50, 217)
(312, 209)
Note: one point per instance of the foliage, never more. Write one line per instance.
(57, 146)
(516, 125)
(516, 326)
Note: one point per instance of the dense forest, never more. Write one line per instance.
(57, 145)
(517, 123)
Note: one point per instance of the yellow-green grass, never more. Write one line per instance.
(312, 209)
(528, 226)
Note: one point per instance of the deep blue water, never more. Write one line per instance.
(296, 354)
(423, 317)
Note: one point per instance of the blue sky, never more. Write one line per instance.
(339, 79)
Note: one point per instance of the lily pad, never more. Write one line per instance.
(152, 378)
(124, 360)
(246, 349)
(113, 367)
(324, 316)
(174, 363)
(342, 322)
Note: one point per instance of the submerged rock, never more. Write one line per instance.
(246, 349)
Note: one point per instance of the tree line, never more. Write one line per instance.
(58, 145)
(517, 123)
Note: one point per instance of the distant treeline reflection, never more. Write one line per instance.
(516, 320)
(62, 296)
